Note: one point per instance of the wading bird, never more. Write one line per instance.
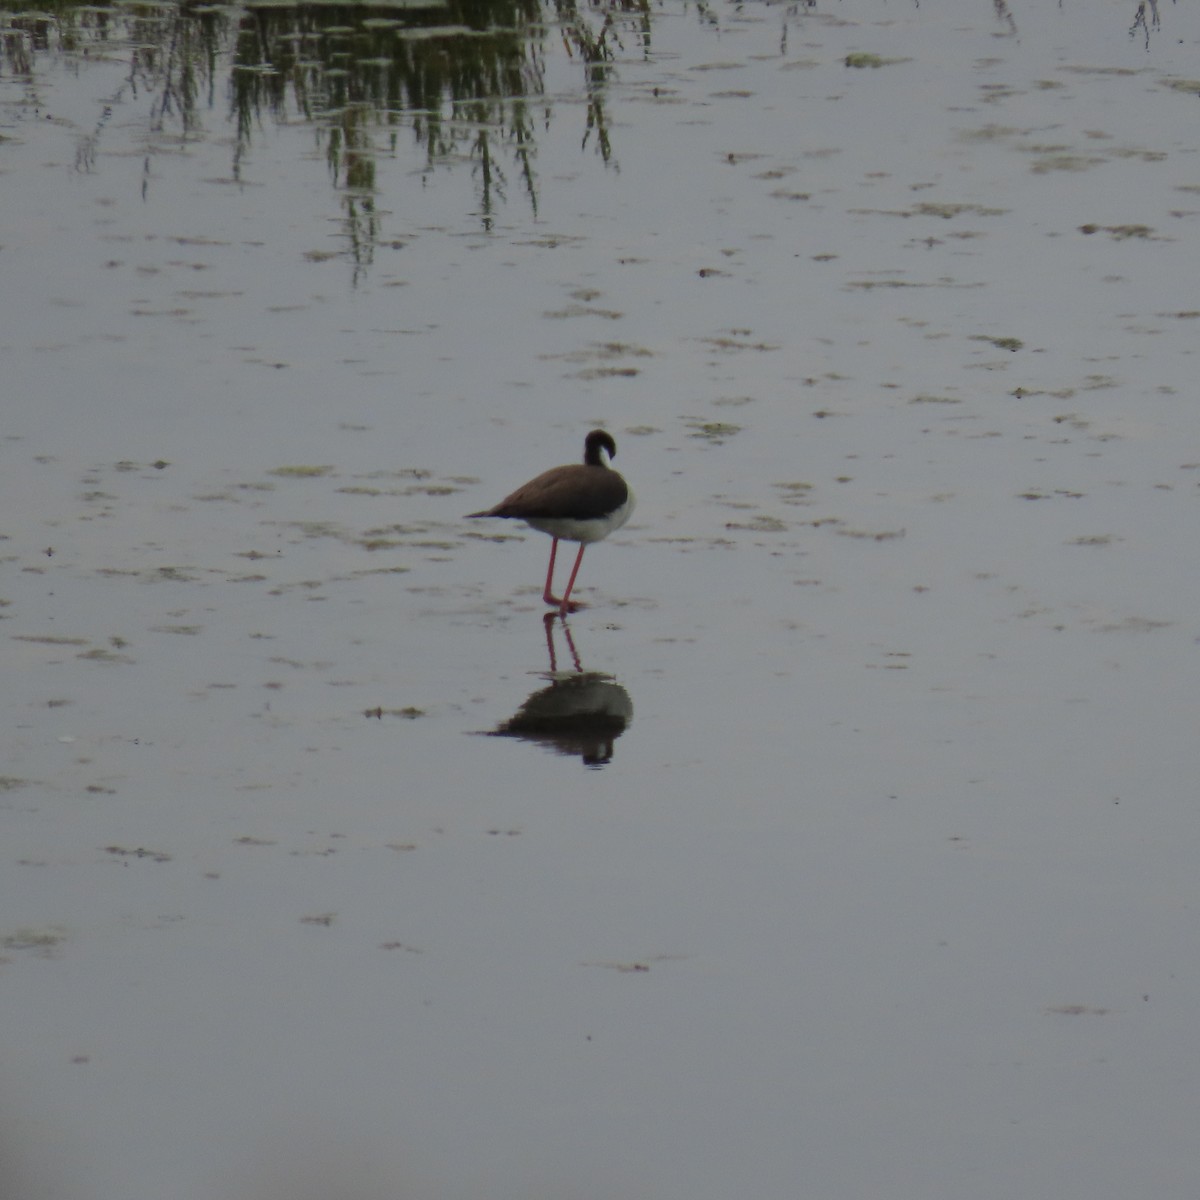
(582, 502)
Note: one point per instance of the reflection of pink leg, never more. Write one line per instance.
(547, 594)
(567, 606)
(548, 624)
(571, 643)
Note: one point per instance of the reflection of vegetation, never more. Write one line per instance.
(461, 77)
(1004, 15)
(1140, 22)
(361, 71)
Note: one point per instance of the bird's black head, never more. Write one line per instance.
(597, 440)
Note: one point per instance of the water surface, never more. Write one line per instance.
(878, 879)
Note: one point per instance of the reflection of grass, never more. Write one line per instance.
(463, 77)
(459, 76)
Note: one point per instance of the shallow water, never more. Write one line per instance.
(884, 885)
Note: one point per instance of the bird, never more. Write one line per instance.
(580, 502)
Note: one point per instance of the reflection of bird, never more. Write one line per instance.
(583, 502)
(580, 714)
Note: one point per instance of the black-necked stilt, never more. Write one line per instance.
(582, 502)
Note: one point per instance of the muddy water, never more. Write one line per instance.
(842, 844)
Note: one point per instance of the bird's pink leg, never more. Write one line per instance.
(547, 594)
(567, 606)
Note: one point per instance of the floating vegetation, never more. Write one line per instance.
(1081, 70)
(603, 352)
(101, 655)
(862, 59)
(300, 472)
(929, 208)
(883, 535)
(49, 639)
(45, 939)
(607, 373)
(759, 524)
(318, 529)
(1065, 162)
(716, 432)
(414, 489)
(583, 310)
(795, 493)
(1134, 625)
(393, 570)
(925, 398)
(897, 660)
(1150, 156)
(738, 341)
(159, 856)
(1120, 233)
(870, 284)
(324, 919)
(125, 465)
(988, 133)
(1001, 343)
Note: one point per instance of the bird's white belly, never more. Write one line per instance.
(593, 529)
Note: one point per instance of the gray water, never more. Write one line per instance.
(872, 873)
